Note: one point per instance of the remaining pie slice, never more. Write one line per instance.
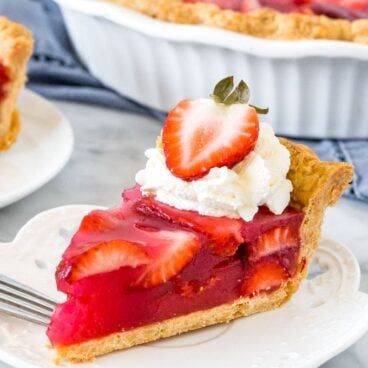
(345, 20)
(210, 234)
(16, 44)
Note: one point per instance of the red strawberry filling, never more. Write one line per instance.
(4, 79)
(144, 262)
(224, 233)
(340, 9)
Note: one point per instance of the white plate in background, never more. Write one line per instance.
(43, 147)
(327, 314)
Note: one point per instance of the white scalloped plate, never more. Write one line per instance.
(327, 315)
(42, 149)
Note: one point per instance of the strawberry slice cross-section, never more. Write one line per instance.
(99, 221)
(265, 276)
(169, 257)
(201, 134)
(149, 251)
(220, 131)
(107, 256)
(275, 240)
(224, 233)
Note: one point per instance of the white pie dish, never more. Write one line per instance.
(324, 317)
(313, 88)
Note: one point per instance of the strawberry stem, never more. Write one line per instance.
(260, 110)
(225, 93)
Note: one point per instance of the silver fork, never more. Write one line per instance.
(23, 302)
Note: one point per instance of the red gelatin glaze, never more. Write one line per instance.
(4, 79)
(200, 274)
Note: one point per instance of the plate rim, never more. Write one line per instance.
(22, 192)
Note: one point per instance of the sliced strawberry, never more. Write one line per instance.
(201, 134)
(273, 241)
(176, 250)
(99, 221)
(265, 276)
(223, 232)
(265, 220)
(105, 257)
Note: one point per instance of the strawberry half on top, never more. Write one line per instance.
(205, 133)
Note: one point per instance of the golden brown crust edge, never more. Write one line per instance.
(264, 22)
(11, 135)
(317, 185)
(16, 48)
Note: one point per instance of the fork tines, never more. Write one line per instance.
(24, 302)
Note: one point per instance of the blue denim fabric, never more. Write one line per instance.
(55, 72)
(352, 151)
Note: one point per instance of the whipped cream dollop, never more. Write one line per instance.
(259, 179)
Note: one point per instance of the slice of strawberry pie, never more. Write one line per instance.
(222, 224)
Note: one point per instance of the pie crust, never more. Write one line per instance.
(317, 185)
(11, 135)
(264, 22)
(16, 44)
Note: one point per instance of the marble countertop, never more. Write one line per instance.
(108, 152)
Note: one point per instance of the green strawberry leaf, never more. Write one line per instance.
(225, 93)
(223, 88)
